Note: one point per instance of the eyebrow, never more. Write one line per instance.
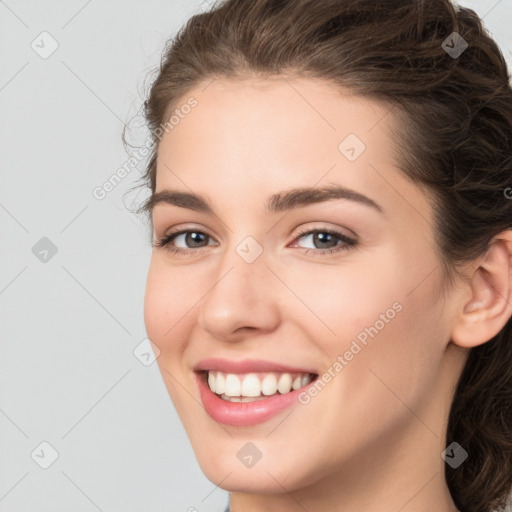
(279, 202)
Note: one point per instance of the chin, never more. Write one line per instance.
(247, 480)
(230, 474)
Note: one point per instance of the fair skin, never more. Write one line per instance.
(372, 439)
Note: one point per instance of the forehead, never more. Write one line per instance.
(277, 111)
(260, 135)
(282, 117)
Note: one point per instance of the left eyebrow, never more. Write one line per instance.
(279, 202)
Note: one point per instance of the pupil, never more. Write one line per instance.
(322, 237)
(192, 237)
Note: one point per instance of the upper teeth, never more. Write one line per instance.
(252, 384)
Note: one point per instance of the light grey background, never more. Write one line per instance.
(69, 325)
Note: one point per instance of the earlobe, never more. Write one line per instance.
(490, 306)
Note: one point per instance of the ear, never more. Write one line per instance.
(489, 308)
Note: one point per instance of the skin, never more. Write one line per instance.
(372, 439)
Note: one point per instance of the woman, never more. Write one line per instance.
(330, 284)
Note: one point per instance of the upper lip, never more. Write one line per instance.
(247, 366)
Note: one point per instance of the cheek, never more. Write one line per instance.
(381, 323)
(347, 301)
(168, 301)
(388, 368)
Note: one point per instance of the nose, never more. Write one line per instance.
(241, 296)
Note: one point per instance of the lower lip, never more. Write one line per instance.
(243, 414)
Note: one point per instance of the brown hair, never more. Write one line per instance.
(455, 114)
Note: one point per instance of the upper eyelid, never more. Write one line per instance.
(337, 230)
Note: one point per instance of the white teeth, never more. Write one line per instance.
(220, 383)
(285, 383)
(269, 385)
(251, 385)
(233, 385)
(254, 386)
(211, 381)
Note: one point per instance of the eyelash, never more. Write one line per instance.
(348, 243)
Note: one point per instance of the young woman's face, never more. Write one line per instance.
(345, 286)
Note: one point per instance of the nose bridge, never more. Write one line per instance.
(243, 263)
(240, 293)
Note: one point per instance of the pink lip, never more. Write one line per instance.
(245, 414)
(247, 366)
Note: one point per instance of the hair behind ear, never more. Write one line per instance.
(480, 418)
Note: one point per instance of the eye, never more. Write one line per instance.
(195, 239)
(327, 236)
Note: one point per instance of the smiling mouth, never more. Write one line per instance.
(255, 386)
